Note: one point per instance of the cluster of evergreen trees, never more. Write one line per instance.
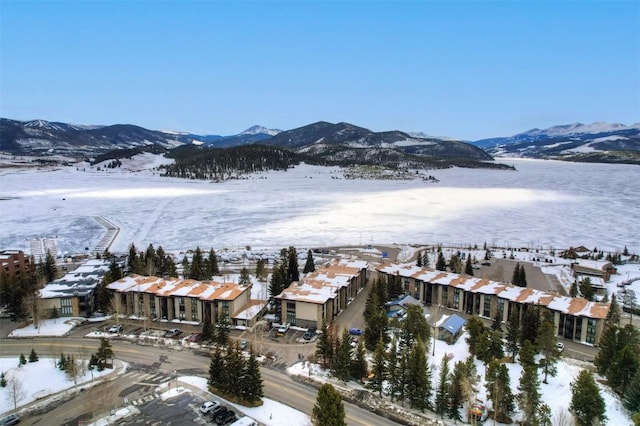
(519, 276)
(225, 163)
(200, 268)
(234, 376)
(150, 262)
(619, 360)
(285, 271)
(103, 357)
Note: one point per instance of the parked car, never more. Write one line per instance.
(309, 334)
(208, 406)
(355, 331)
(195, 337)
(115, 329)
(225, 417)
(560, 346)
(244, 344)
(282, 330)
(173, 332)
(219, 411)
(486, 263)
(11, 419)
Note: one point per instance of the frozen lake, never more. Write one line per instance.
(542, 204)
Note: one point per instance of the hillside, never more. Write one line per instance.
(597, 143)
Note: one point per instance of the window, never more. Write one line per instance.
(486, 312)
(225, 310)
(291, 313)
(591, 331)
(456, 298)
(445, 295)
(501, 307)
(152, 306)
(66, 306)
(194, 310)
(578, 334)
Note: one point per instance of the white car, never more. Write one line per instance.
(115, 329)
(208, 406)
(560, 346)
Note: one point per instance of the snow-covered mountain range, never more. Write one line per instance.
(595, 142)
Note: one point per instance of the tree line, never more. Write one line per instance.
(225, 163)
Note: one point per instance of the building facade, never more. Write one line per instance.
(322, 294)
(14, 264)
(575, 318)
(181, 299)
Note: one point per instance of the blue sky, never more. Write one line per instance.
(462, 69)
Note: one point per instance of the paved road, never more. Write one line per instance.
(162, 364)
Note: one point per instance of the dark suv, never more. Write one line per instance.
(224, 417)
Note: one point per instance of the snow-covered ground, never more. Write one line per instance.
(38, 380)
(542, 204)
(556, 393)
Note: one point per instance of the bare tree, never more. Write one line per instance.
(562, 417)
(116, 306)
(16, 391)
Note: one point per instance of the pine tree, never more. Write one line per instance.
(49, 270)
(342, 361)
(186, 267)
(456, 391)
(393, 367)
(207, 329)
(62, 362)
(216, 368)
(213, 263)
(260, 270)
(196, 270)
(496, 324)
(104, 353)
(415, 326)
(328, 409)
(513, 335)
(33, 356)
(529, 396)
(455, 264)
(441, 264)
(359, 366)
(418, 378)
(3, 380)
(546, 343)
(131, 259)
(586, 290)
(623, 369)
(222, 332)
(468, 267)
(608, 350)
(475, 327)
(442, 391)
(632, 395)
(530, 324)
(22, 361)
(309, 265)
(252, 388)
(244, 279)
(293, 273)
(613, 316)
(515, 279)
(234, 364)
(489, 346)
(573, 291)
(499, 391)
(324, 348)
(395, 287)
(379, 369)
(276, 285)
(419, 260)
(587, 404)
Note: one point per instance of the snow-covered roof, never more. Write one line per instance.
(573, 306)
(167, 287)
(78, 282)
(325, 282)
(403, 301)
(250, 310)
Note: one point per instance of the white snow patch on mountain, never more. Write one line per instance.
(256, 130)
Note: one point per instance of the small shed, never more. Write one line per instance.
(451, 328)
(401, 303)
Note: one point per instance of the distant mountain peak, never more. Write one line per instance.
(257, 129)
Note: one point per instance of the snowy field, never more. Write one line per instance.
(542, 204)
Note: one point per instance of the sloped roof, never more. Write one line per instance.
(324, 283)
(453, 324)
(573, 306)
(167, 287)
